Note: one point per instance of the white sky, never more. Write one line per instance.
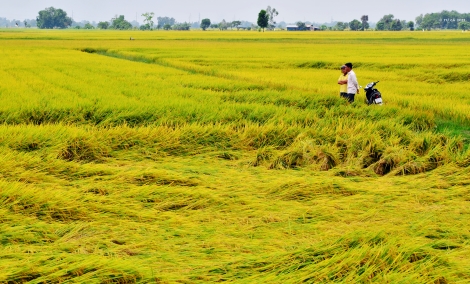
(216, 10)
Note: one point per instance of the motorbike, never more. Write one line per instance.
(373, 96)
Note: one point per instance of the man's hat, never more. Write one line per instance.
(344, 66)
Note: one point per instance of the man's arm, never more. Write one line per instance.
(356, 84)
(342, 82)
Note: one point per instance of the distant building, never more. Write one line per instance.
(311, 28)
(243, 27)
(292, 28)
(307, 28)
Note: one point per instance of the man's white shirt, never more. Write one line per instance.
(353, 86)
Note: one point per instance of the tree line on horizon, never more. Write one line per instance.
(52, 18)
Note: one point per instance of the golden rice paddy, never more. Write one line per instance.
(195, 157)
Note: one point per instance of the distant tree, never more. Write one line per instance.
(181, 26)
(411, 25)
(88, 26)
(25, 24)
(205, 23)
(263, 19)
(272, 13)
(145, 27)
(103, 25)
(214, 26)
(419, 20)
(442, 20)
(32, 23)
(167, 27)
(464, 26)
(148, 19)
(380, 26)
(365, 24)
(235, 24)
(77, 27)
(450, 19)
(396, 25)
(323, 27)
(223, 25)
(53, 18)
(355, 25)
(340, 26)
(430, 21)
(301, 26)
(387, 21)
(162, 21)
(404, 24)
(119, 23)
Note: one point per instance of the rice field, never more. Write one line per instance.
(196, 157)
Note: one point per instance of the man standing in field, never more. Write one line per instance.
(343, 82)
(353, 86)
